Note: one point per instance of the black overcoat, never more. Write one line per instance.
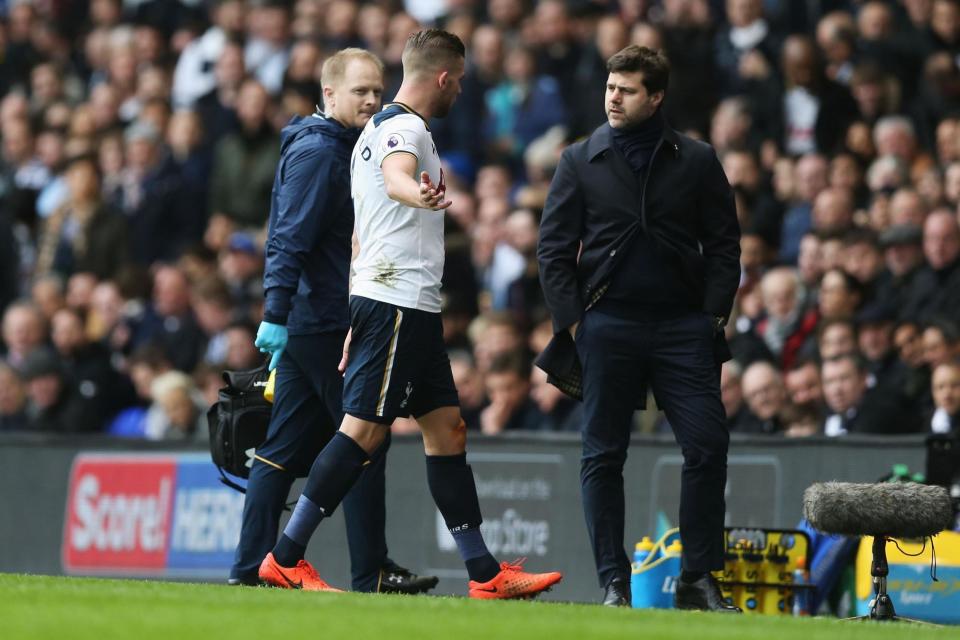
(595, 208)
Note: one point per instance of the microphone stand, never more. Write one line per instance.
(882, 606)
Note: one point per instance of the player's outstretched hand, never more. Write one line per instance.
(342, 367)
(432, 197)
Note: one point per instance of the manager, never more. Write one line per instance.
(639, 255)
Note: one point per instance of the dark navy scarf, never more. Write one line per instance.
(637, 143)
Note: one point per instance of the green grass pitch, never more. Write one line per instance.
(39, 607)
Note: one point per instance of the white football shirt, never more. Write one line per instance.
(401, 248)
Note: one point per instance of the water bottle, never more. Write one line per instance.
(642, 549)
(753, 578)
(801, 596)
(670, 573)
(644, 576)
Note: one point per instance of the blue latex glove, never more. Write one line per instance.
(271, 338)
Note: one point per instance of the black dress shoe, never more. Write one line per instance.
(702, 594)
(396, 579)
(244, 581)
(617, 593)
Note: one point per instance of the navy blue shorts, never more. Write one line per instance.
(398, 363)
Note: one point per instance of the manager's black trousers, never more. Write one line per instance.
(621, 358)
(306, 414)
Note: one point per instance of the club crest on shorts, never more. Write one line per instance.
(406, 397)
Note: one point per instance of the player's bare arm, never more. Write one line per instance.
(398, 171)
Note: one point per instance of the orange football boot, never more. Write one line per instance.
(514, 583)
(303, 576)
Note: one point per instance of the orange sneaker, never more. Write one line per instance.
(303, 576)
(514, 583)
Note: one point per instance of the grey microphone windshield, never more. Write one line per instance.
(893, 509)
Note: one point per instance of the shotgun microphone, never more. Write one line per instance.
(891, 509)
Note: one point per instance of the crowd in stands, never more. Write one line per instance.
(140, 138)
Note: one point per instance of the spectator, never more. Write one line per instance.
(840, 295)
(84, 233)
(836, 36)
(13, 400)
(524, 295)
(508, 386)
(195, 74)
(244, 163)
(241, 352)
(193, 162)
(903, 257)
(896, 136)
(686, 35)
(836, 337)
(24, 330)
(493, 334)
(787, 325)
(936, 289)
(470, 387)
(862, 258)
(53, 405)
(587, 104)
(241, 268)
(169, 322)
(875, 342)
(908, 341)
(800, 422)
(180, 407)
(941, 343)
(267, 52)
(746, 48)
(907, 207)
(87, 369)
(816, 111)
(731, 394)
(217, 108)
(152, 198)
(810, 179)
(766, 398)
(833, 211)
(763, 211)
(560, 412)
(803, 386)
(809, 264)
(47, 293)
(559, 49)
(80, 288)
(852, 408)
(213, 309)
(523, 106)
(946, 399)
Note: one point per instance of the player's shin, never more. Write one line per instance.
(453, 489)
(334, 472)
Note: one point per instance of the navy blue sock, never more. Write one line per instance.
(332, 475)
(451, 484)
(286, 552)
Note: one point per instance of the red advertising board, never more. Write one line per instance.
(118, 513)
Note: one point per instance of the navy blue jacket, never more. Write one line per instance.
(311, 227)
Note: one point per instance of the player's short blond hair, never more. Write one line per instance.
(334, 67)
(431, 50)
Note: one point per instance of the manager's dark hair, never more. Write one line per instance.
(652, 64)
